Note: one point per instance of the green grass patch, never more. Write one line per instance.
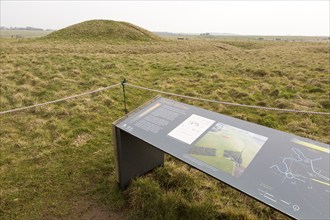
(56, 156)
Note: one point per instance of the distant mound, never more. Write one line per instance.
(105, 30)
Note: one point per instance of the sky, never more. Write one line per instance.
(267, 17)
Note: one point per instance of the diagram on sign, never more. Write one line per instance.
(228, 148)
(305, 170)
(300, 168)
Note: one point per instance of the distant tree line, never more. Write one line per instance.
(24, 28)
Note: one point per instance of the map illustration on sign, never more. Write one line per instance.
(303, 169)
(298, 167)
(228, 148)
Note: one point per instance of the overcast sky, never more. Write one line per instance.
(238, 17)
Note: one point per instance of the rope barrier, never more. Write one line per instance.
(229, 103)
(60, 100)
(123, 83)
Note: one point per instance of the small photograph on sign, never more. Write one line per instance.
(228, 148)
(193, 127)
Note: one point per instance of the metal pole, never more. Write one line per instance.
(124, 94)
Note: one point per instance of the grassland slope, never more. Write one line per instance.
(57, 161)
(105, 30)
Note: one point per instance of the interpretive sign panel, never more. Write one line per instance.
(282, 170)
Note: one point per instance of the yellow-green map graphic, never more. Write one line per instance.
(228, 148)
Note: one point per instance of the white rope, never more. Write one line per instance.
(60, 100)
(170, 94)
(229, 103)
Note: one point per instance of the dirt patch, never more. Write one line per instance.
(85, 210)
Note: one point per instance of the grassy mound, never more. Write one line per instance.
(105, 30)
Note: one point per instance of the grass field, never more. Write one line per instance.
(57, 161)
(23, 33)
